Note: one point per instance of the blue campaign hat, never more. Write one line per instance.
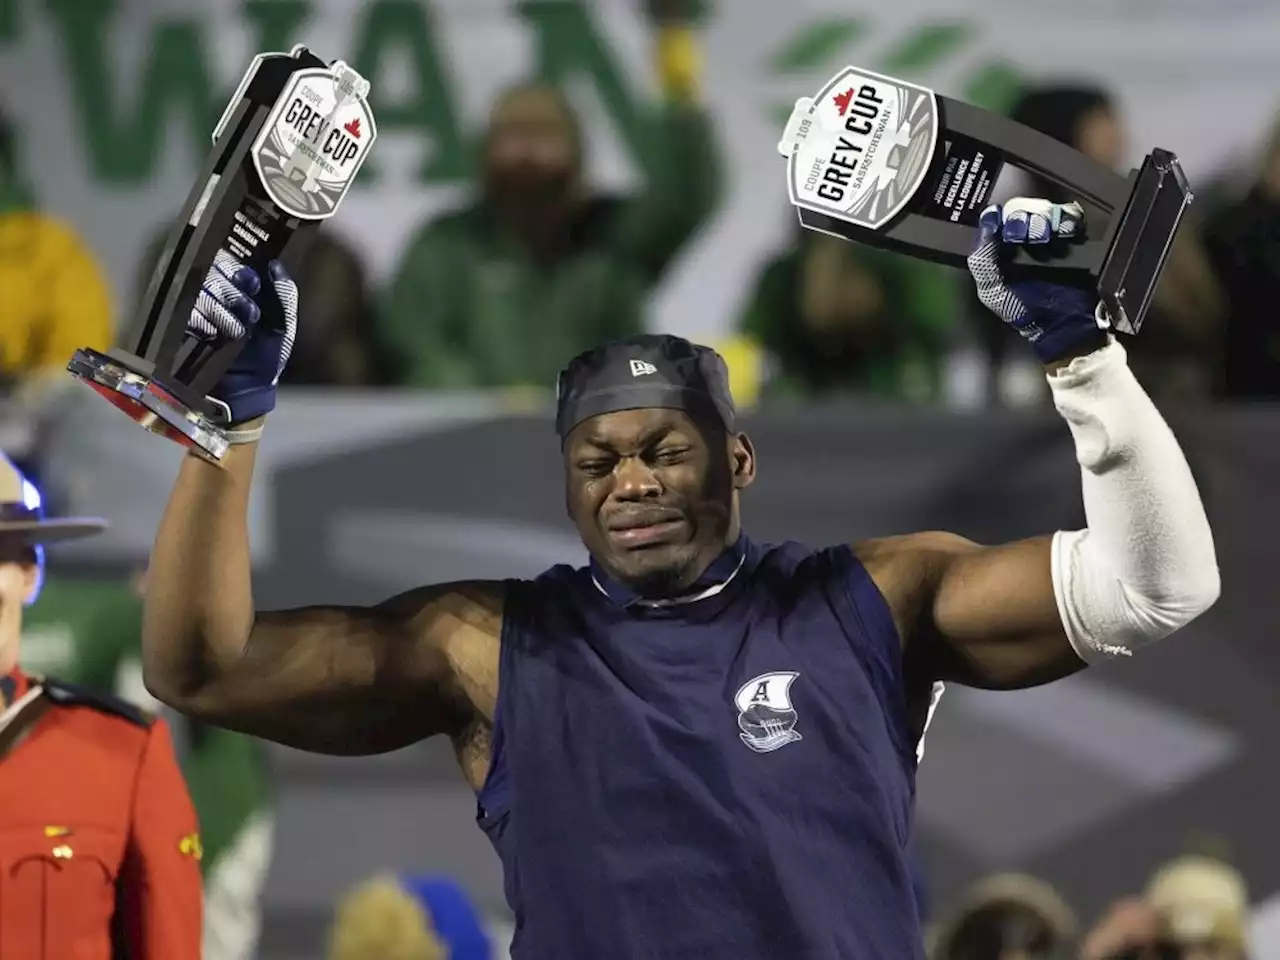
(22, 511)
(22, 515)
(452, 914)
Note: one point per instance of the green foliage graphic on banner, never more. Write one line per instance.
(822, 47)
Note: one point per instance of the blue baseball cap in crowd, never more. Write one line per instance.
(452, 914)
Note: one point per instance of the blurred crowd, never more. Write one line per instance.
(539, 265)
(1195, 907)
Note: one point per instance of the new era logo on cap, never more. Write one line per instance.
(639, 368)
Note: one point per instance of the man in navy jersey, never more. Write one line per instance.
(699, 747)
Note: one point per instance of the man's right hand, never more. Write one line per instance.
(1059, 322)
(234, 304)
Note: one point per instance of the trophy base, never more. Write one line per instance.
(150, 405)
(1143, 240)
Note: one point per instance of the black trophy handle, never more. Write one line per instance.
(1076, 263)
(1101, 191)
(161, 338)
(1073, 262)
(1092, 183)
(953, 242)
(228, 187)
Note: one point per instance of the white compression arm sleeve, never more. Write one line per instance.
(1146, 564)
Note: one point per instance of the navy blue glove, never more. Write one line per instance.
(1059, 321)
(233, 305)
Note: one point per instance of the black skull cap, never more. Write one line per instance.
(643, 372)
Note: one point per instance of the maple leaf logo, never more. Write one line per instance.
(842, 101)
(353, 126)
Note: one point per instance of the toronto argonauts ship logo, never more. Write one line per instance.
(765, 715)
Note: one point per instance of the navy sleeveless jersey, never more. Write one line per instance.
(729, 778)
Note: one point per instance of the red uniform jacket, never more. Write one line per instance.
(99, 849)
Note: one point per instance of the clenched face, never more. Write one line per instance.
(654, 494)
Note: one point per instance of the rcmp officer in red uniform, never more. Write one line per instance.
(99, 845)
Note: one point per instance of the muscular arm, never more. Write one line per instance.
(1029, 612)
(338, 680)
(1032, 611)
(985, 617)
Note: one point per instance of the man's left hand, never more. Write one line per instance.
(1059, 321)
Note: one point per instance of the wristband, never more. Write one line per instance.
(250, 432)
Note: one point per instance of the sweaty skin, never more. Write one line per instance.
(365, 680)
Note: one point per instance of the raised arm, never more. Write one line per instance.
(981, 616)
(338, 680)
(1025, 613)
(341, 680)
(680, 162)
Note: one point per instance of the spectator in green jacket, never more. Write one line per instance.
(540, 267)
(835, 317)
